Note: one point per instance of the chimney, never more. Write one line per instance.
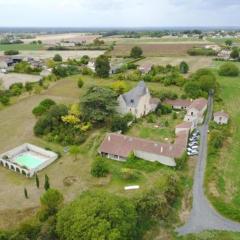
(109, 138)
(161, 149)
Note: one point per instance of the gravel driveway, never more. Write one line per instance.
(203, 216)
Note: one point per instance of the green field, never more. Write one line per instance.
(222, 177)
(20, 47)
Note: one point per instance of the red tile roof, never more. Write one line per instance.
(199, 104)
(221, 114)
(178, 102)
(120, 145)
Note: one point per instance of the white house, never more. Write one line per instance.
(137, 101)
(195, 112)
(221, 118)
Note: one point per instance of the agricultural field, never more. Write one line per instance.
(6, 80)
(223, 179)
(194, 62)
(155, 49)
(21, 47)
(45, 54)
(52, 39)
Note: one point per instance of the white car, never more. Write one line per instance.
(194, 147)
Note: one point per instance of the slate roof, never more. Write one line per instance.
(132, 97)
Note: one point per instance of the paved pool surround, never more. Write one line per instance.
(27, 159)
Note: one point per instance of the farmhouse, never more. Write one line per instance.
(195, 112)
(221, 118)
(178, 104)
(27, 159)
(119, 147)
(137, 101)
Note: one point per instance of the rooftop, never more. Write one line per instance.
(121, 145)
(199, 104)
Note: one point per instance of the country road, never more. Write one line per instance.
(203, 216)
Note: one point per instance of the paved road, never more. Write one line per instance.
(203, 216)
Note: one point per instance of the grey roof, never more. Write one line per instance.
(132, 97)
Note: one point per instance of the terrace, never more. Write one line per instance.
(27, 159)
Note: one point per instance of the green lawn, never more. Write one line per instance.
(222, 176)
(20, 47)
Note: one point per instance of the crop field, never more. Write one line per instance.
(20, 47)
(154, 50)
(55, 38)
(45, 54)
(6, 80)
(153, 40)
(194, 62)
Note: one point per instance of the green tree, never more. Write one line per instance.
(184, 68)
(85, 59)
(57, 58)
(28, 86)
(5, 100)
(74, 150)
(99, 168)
(136, 52)
(26, 193)
(229, 42)
(46, 183)
(119, 123)
(51, 202)
(192, 89)
(80, 83)
(102, 66)
(228, 69)
(37, 181)
(97, 215)
(235, 53)
(98, 104)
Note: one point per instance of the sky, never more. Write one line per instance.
(119, 13)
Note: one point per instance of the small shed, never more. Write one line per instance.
(221, 117)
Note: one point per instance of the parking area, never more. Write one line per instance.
(193, 143)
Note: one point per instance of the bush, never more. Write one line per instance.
(39, 111)
(130, 174)
(99, 168)
(57, 58)
(4, 100)
(80, 83)
(119, 124)
(11, 52)
(228, 69)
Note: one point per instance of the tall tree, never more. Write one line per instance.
(37, 180)
(98, 104)
(136, 52)
(25, 193)
(46, 183)
(184, 68)
(97, 215)
(102, 66)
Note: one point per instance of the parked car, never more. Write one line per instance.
(192, 153)
(194, 147)
(191, 144)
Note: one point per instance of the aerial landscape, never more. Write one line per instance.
(120, 121)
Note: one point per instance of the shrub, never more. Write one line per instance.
(57, 58)
(99, 168)
(119, 124)
(47, 103)
(228, 69)
(39, 111)
(130, 174)
(80, 83)
(11, 52)
(4, 100)
(183, 67)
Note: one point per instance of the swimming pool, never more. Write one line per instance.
(29, 161)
